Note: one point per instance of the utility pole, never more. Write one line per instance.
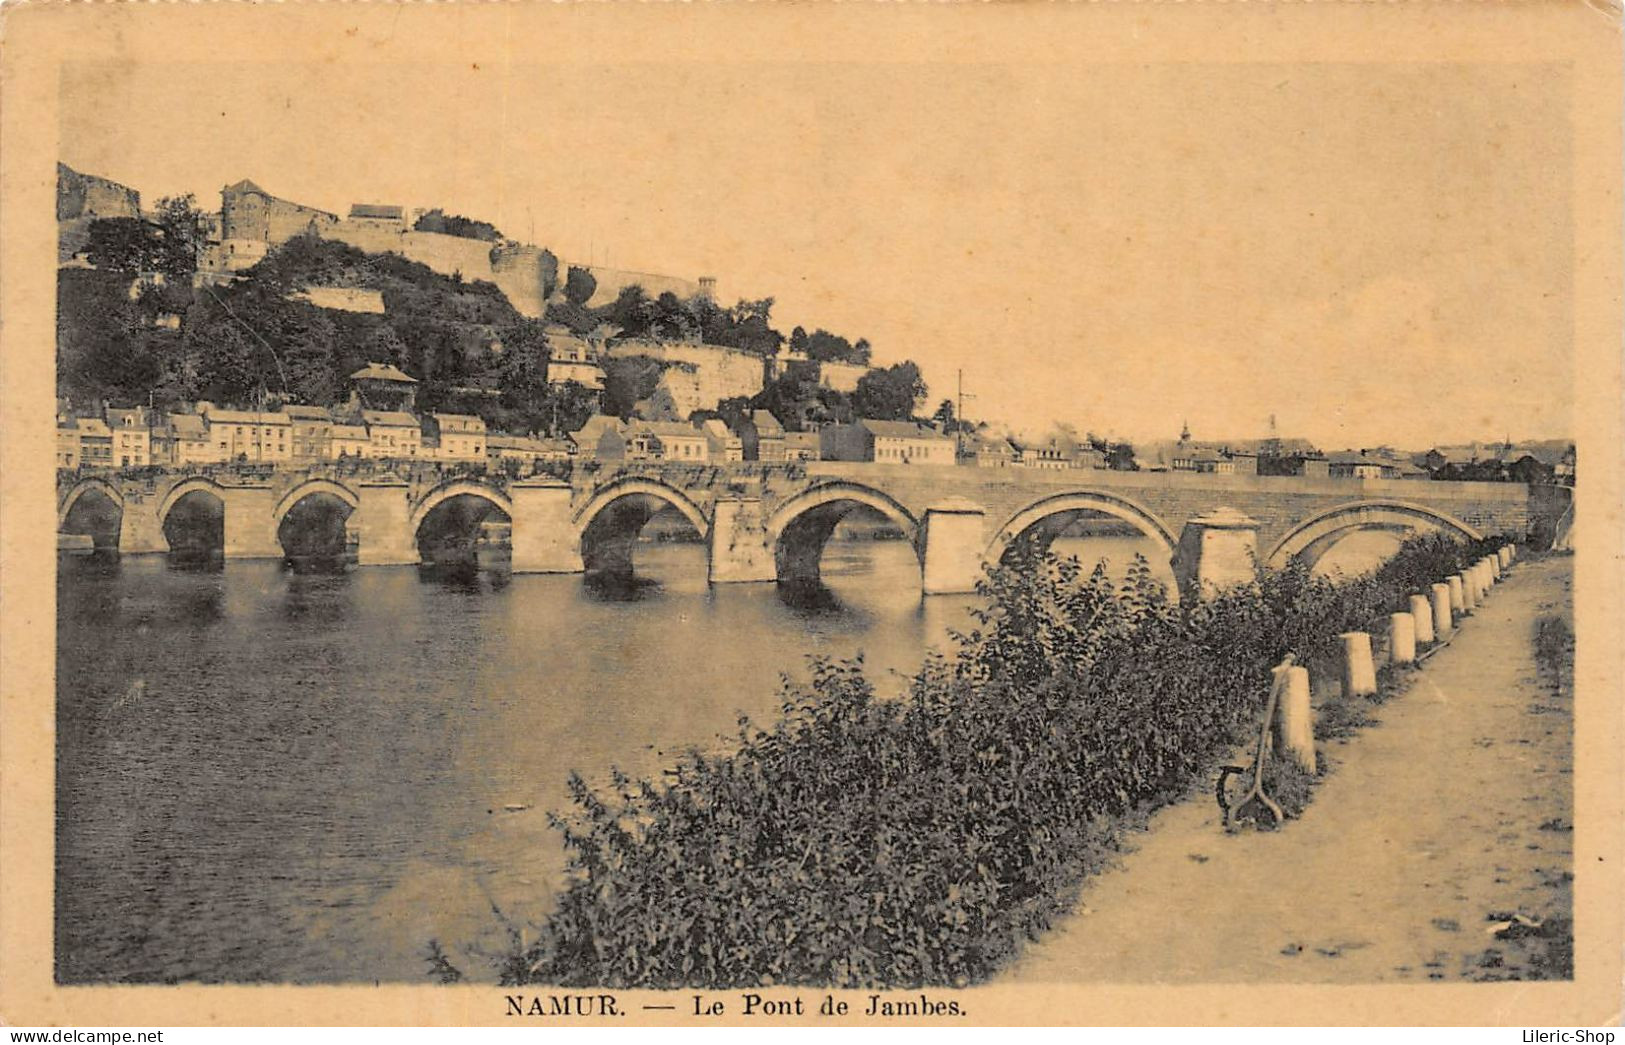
(959, 416)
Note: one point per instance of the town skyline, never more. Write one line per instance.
(973, 275)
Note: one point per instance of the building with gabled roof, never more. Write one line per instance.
(885, 442)
(589, 439)
(721, 444)
(1351, 464)
(383, 386)
(462, 437)
(392, 434)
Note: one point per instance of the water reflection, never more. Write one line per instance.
(302, 773)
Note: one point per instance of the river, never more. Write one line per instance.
(267, 775)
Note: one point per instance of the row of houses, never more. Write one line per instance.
(1048, 455)
(761, 437)
(139, 437)
(1369, 463)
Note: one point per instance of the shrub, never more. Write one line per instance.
(868, 842)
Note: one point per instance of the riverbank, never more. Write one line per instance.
(1439, 847)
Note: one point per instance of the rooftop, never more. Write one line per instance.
(302, 412)
(376, 210)
(901, 430)
(246, 417)
(188, 426)
(672, 429)
(382, 372)
(389, 418)
(459, 422)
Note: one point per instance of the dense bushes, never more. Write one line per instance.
(873, 842)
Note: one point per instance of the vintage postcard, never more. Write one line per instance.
(814, 514)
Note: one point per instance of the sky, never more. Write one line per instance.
(1372, 253)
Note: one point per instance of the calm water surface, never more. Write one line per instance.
(267, 775)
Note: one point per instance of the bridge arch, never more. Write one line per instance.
(82, 487)
(196, 484)
(607, 526)
(101, 517)
(196, 530)
(309, 488)
(1312, 538)
(445, 491)
(798, 530)
(306, 523)
(1058, 509)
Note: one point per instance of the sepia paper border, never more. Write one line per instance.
(39, 36)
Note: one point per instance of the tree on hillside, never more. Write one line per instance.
(731, 412)
(567, 408)
(124, 245)
(825, 347)
(183, 234)
(104, 349)
(750, 327)
(437, 220)
(306, 342)
(579, 286)
(384, 345)
(170, 244)
(631, 312)
(628, 380)
(891, 394)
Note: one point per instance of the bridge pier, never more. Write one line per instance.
(739, 546)
(249, 531)
(954, 540)
(383, 522)
(543, 538)
(141, 531)
(1217, 550)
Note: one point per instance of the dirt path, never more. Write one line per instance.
(1456, 807)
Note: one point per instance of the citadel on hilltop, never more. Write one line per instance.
(251, 222)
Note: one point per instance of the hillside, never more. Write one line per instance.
(234, 342)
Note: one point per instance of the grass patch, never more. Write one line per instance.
(1342, 717)
(1554, 652)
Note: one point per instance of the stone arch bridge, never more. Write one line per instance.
(770, 522)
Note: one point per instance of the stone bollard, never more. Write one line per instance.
(1295, 721)
(1422, 614)
(1458, 594)
(1401, 638)
(1442, 624)
(1469, 591)
(1359, 672)
(1495, 565)
(1485, 580)
(1505, 556)
(1512, 553)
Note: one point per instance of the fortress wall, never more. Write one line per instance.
(449, 254)
(525, 274)
(719, 373)
(443, 254)
(612, 281)
(842, 377)
(88, 196)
